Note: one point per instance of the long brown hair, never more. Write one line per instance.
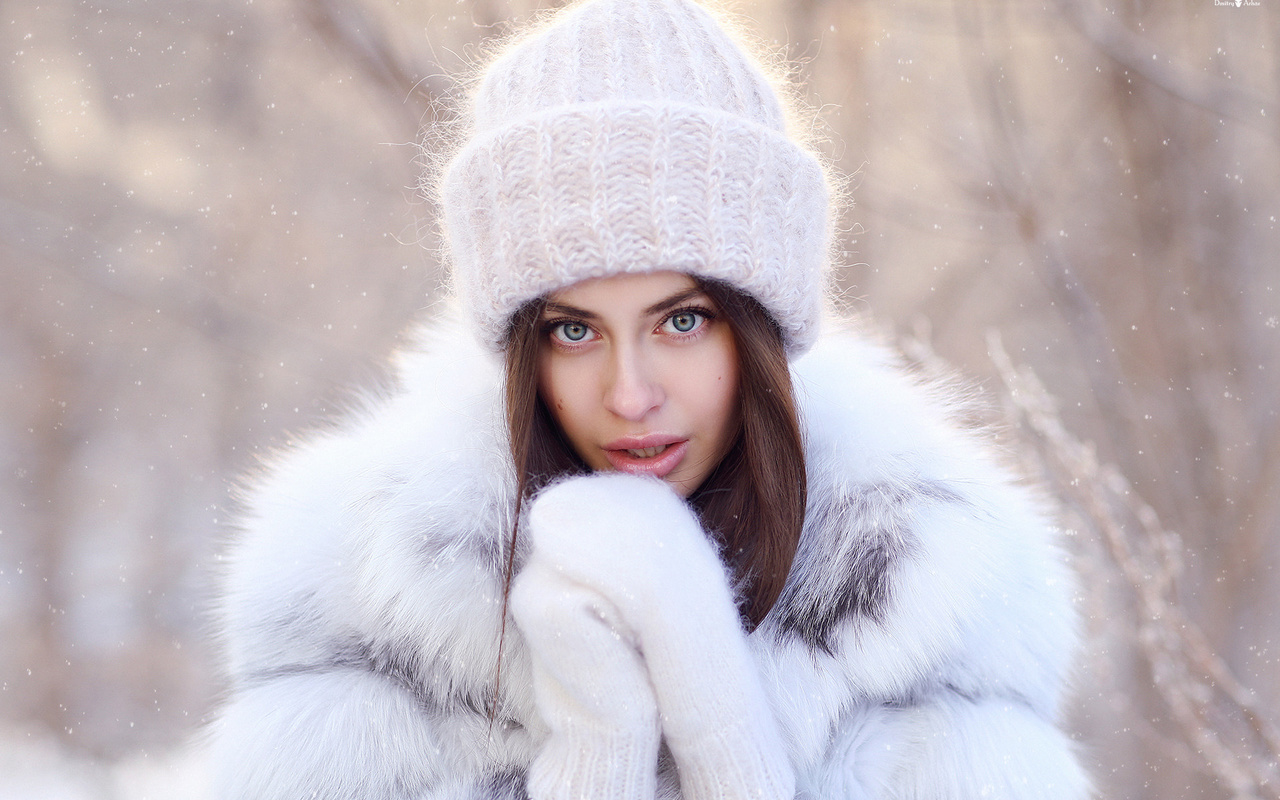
(753, 501)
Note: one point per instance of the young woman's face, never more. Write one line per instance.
(641, 375)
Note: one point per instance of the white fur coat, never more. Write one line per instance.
(919, 650)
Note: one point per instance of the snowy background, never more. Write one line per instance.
(210, 234)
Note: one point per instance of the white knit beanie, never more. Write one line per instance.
(634, 136)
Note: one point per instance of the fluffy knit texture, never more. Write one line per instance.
(635, 545)
(920, 647)
(634, 136)
(592, 689)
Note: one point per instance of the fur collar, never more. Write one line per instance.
(922, 566)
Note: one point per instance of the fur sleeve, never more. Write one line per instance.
(922, 645)
(341, 733)
(948, 747)
(359, 610)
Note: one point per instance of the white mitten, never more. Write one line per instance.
(637, 544)
(591, 688)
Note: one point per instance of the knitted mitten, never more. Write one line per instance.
(635, 543)
(592, 690)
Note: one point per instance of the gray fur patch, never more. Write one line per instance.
(429, 683)
(852, 544)
(401, 666)
(439, 542)
(507, 785)
(668, 774)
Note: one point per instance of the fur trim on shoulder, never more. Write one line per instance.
(924, 567)
(379, 546)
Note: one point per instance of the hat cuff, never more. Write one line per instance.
(593, 190)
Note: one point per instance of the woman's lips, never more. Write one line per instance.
(628, 455)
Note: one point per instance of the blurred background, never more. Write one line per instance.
(211, 234)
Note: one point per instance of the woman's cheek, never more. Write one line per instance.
(565, 391)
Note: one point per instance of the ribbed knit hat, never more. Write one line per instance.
(634, 136)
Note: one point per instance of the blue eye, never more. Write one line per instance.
(572, 331)
(685, 321)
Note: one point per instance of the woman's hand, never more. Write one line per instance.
(632, 539)
(634, 543)
(592, 689)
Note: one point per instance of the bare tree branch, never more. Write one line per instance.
(349, 29)
(1016, 184)
(1143, 58)
(1216, 715)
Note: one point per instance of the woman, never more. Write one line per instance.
(681, 546)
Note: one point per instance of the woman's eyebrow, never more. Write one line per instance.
(562, 309)
(675, 299)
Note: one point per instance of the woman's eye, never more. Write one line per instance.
(685, 321)
(573, 332)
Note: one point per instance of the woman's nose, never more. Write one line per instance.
(633, 390)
